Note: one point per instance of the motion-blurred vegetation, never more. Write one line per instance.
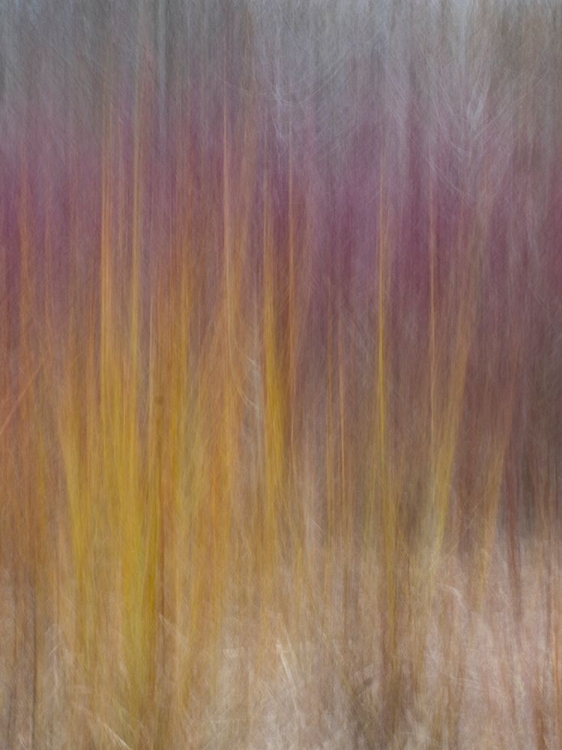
(280, 367)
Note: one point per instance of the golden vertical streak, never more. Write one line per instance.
(381, 384)
(432, 352)
(292, 354)
(273, 412)
(268, 334)
(381, 335)
(329, 465)
(135, 245)
(388, 493)
(146, 528)
(229, 375)
(226, 219)
(293, 510)
(230, 384)
(329, 446)
(345, 512)
(106, 290)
